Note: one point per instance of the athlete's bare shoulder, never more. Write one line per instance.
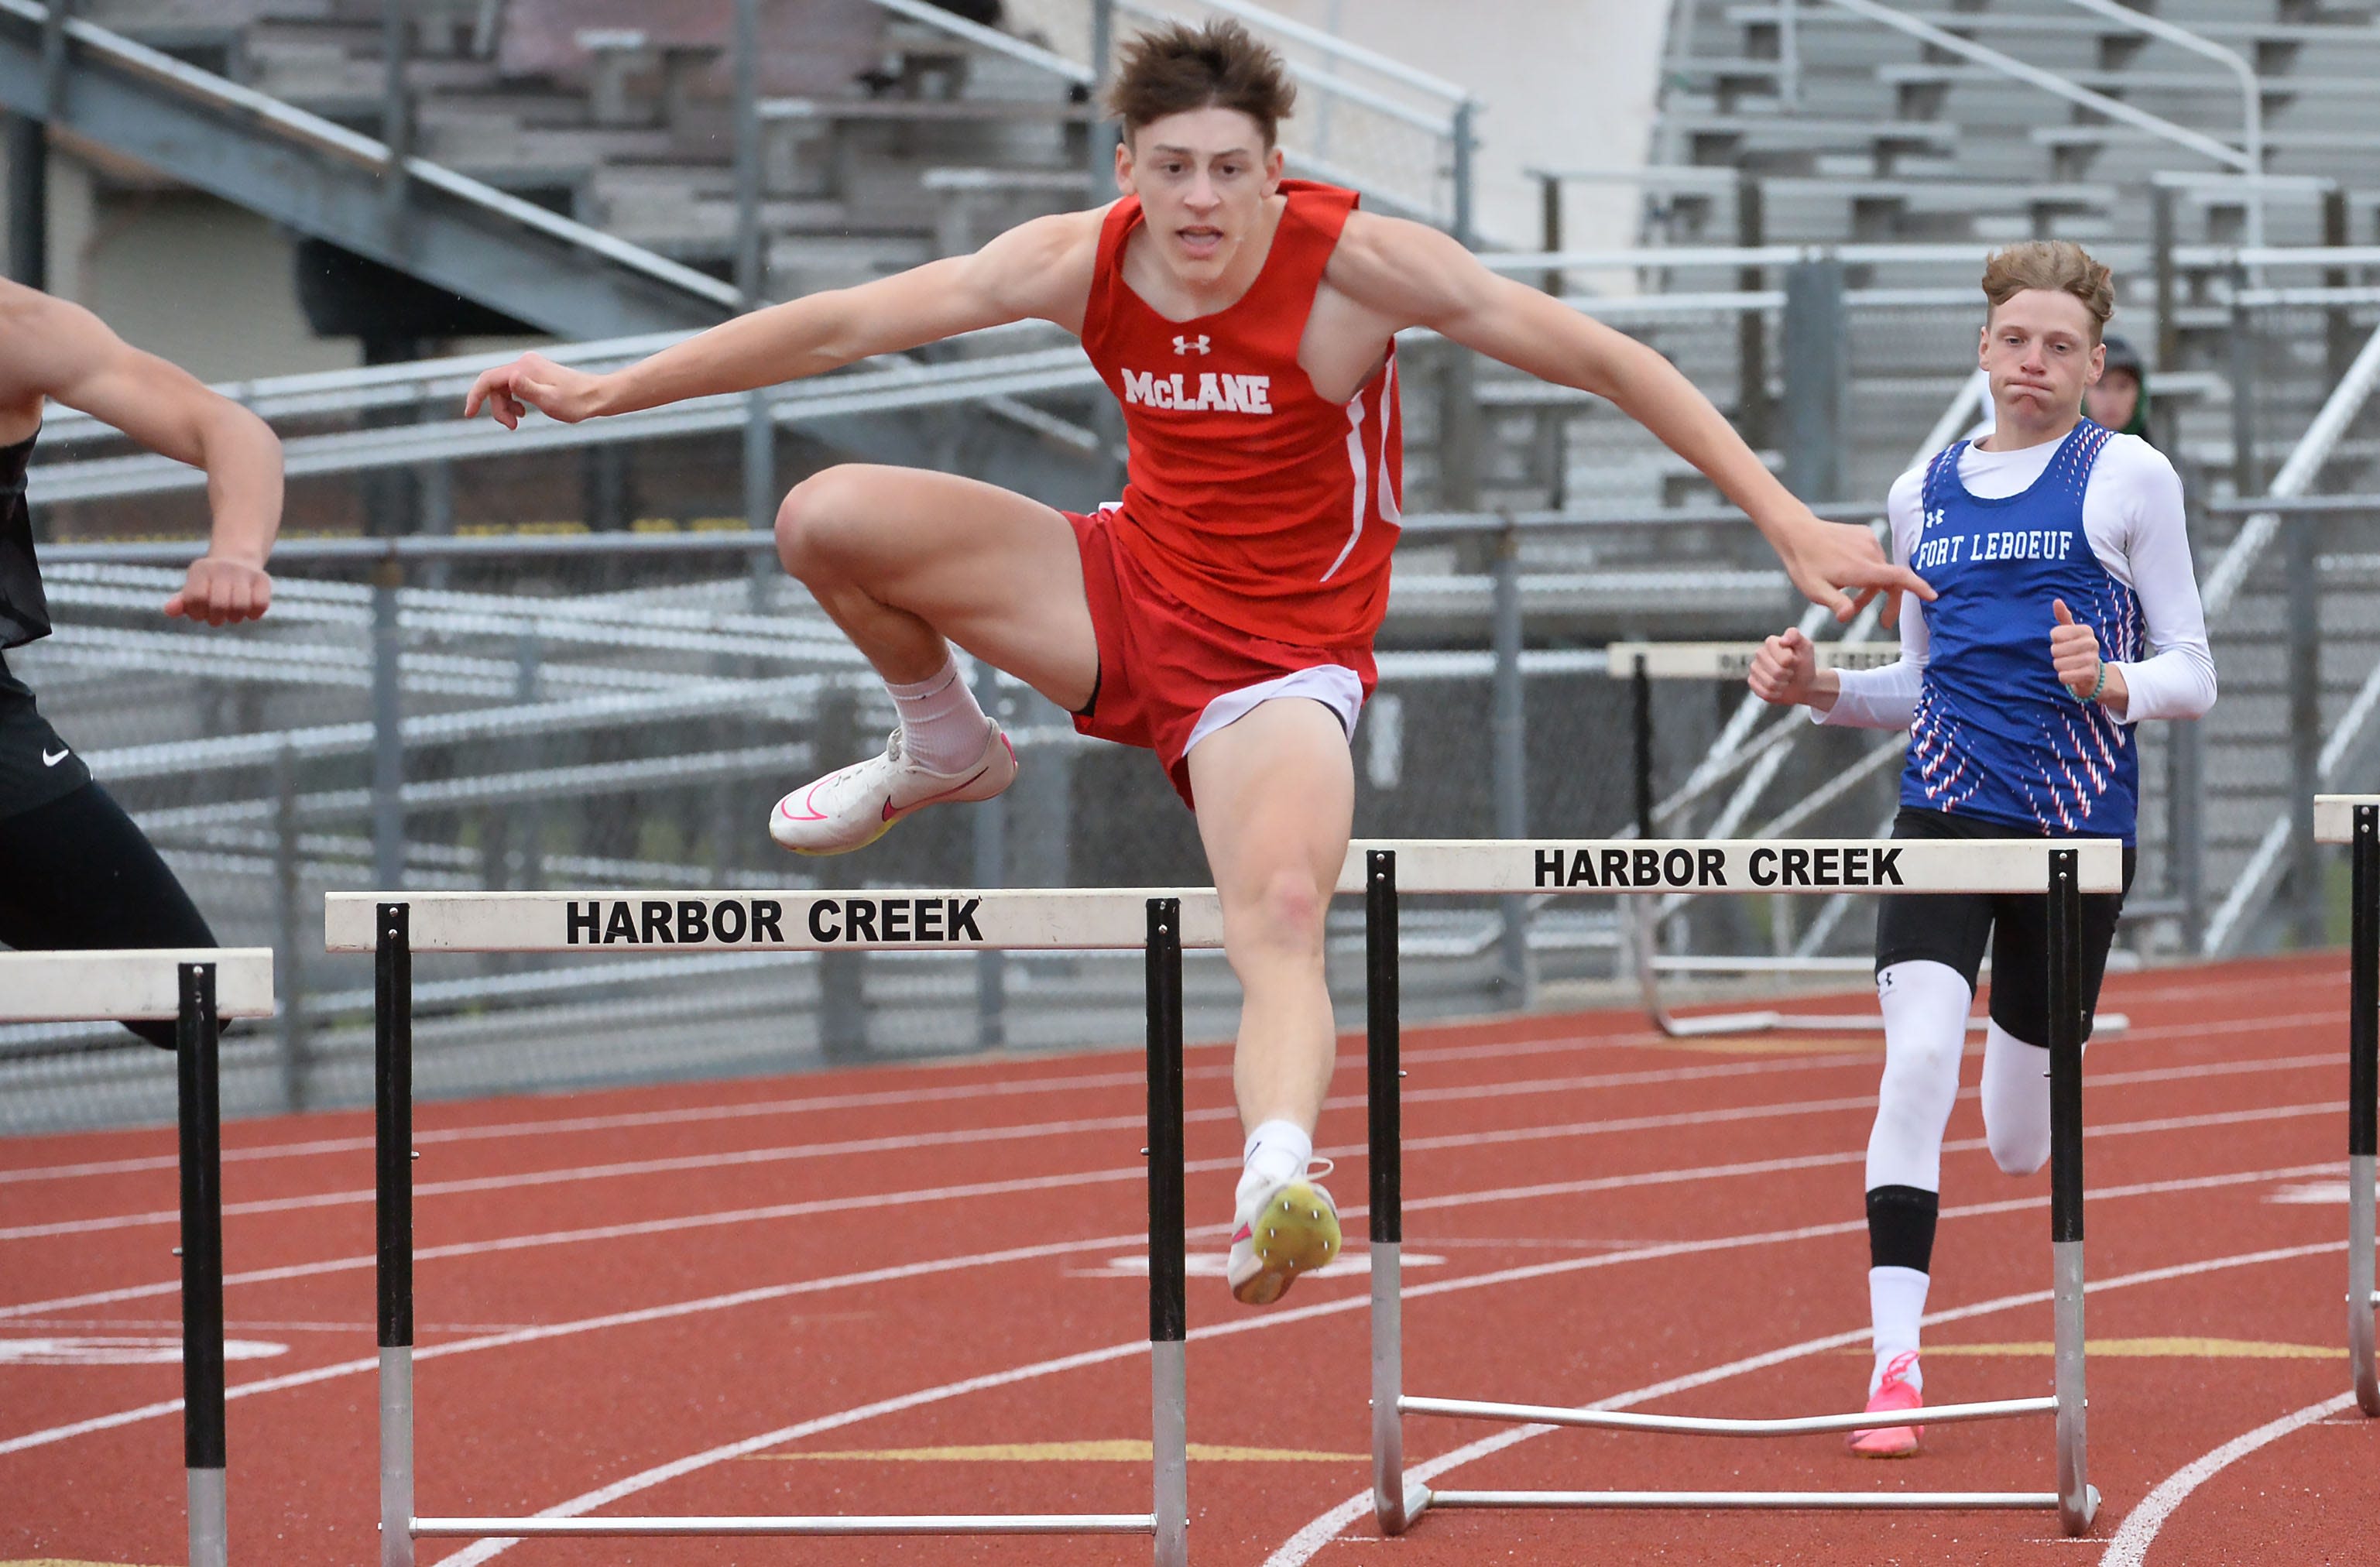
(1042, 268)
(41, 339)
(1408, 274)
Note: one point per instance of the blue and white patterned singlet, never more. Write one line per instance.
(1996, 735)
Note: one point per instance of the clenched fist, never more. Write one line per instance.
(1785, 671)
(2075, 651)
(221, 592)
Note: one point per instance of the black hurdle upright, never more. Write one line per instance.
(198, 1075)
(1383, 1033)
(2077, 1501)
(2362, 1096)
(393, 1209)
(1168, 1313)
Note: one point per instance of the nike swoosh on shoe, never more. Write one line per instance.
(889, 814)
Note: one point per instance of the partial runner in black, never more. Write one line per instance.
(2065, 612)
(75, 873)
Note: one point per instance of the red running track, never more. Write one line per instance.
(786, 1295)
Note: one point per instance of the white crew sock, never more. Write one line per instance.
(1896, 1299)
(941, 726)
(1276, 1151)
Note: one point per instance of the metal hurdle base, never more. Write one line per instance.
(884, 1523)
(1816, 1501)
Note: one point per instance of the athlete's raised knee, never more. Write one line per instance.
(817, 519)
(2018, 1151)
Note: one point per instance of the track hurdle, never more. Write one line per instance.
(1641, 663)
(2354, 820)
(196, 987)
(2061, 869)
(394, 927)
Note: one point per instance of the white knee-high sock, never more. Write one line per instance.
(1896, 1300)
(942, 725)
(1926, 1008)
(2016, 1100)
(1276, 1151)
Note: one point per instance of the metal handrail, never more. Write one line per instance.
(2252, 112)
(991, 39)
(365, 152)
(2048, 82)
(1329, 44)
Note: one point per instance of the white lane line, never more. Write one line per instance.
(1043, 1183)
(1037, 1130)
(2140, 1524)
(695, 1115)
(1305, 1545)
(483, 1550)
(1032, 1131)
(774, 1292)
(509, 1131)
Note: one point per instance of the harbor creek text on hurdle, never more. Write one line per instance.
(690, 921)
(1855, 866)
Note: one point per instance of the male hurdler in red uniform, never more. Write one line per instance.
(1221, 614)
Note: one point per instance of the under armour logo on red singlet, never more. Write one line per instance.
(1198, 344)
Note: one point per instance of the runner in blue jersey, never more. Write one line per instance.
(2066, 613)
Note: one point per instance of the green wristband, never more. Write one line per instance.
(2101, 684)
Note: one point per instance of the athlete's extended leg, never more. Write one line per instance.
(77, 875)
(907, 563)
(1276, 796)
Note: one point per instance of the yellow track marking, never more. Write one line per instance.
(2150, 1349)
(1123, 1451)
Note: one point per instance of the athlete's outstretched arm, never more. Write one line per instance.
(64, 353)
(1414, 275)
(1037, 270)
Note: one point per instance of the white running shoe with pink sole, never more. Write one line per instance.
(851, 807)
(1892, 1395)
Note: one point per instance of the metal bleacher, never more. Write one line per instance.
(2020, 160)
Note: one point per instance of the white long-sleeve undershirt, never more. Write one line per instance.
(2133, 515)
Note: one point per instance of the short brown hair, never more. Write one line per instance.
(2059, 265)
(1176, 68)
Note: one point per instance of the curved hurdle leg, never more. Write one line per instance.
(197, 1067)
(2362, 1089)
(2077, 1502)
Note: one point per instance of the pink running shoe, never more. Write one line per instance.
(1894, 1394)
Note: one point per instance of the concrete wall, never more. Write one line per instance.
(1567, 83)
(193, 279)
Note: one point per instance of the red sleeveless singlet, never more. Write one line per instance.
(1250, 497)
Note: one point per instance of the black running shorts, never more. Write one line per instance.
(1953, 928)
(36, 767)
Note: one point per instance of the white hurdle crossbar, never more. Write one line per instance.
(2061, 870)
(2354, 820)
(393, 926)
(196, 987)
